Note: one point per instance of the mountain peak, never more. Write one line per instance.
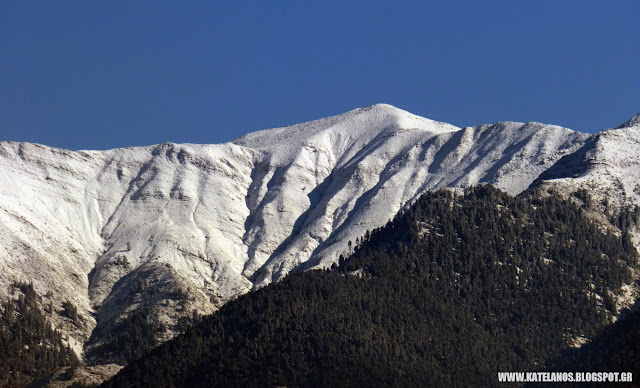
(358, 125)
(224, 219)
(632, 122)
(382, 105)
(382, 108)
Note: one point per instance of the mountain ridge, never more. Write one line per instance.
(212, 222)
(452, 289)
(632, 122)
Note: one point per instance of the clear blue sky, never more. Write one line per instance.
(105, 74)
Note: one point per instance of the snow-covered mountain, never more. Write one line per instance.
(608, 165)
(178, 227)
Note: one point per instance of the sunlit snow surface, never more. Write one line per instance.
(219, 220)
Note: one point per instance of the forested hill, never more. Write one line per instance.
(616, 349)
(458, 287)
(30, 348)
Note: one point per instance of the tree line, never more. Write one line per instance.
(457, 287)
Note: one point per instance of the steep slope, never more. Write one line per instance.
(632, 122)
(30, 348)
(607, 166)
(458, 287)
(616, 349)
(355, 178)
(176, 228)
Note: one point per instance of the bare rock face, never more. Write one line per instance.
(179, 228)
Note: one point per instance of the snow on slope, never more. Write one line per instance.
(632, 122)
(200, 224)
(363, 182)
(608, 165)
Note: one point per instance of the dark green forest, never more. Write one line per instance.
(457, 287)
(30, 348)
(615, 349)
(129, 339)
